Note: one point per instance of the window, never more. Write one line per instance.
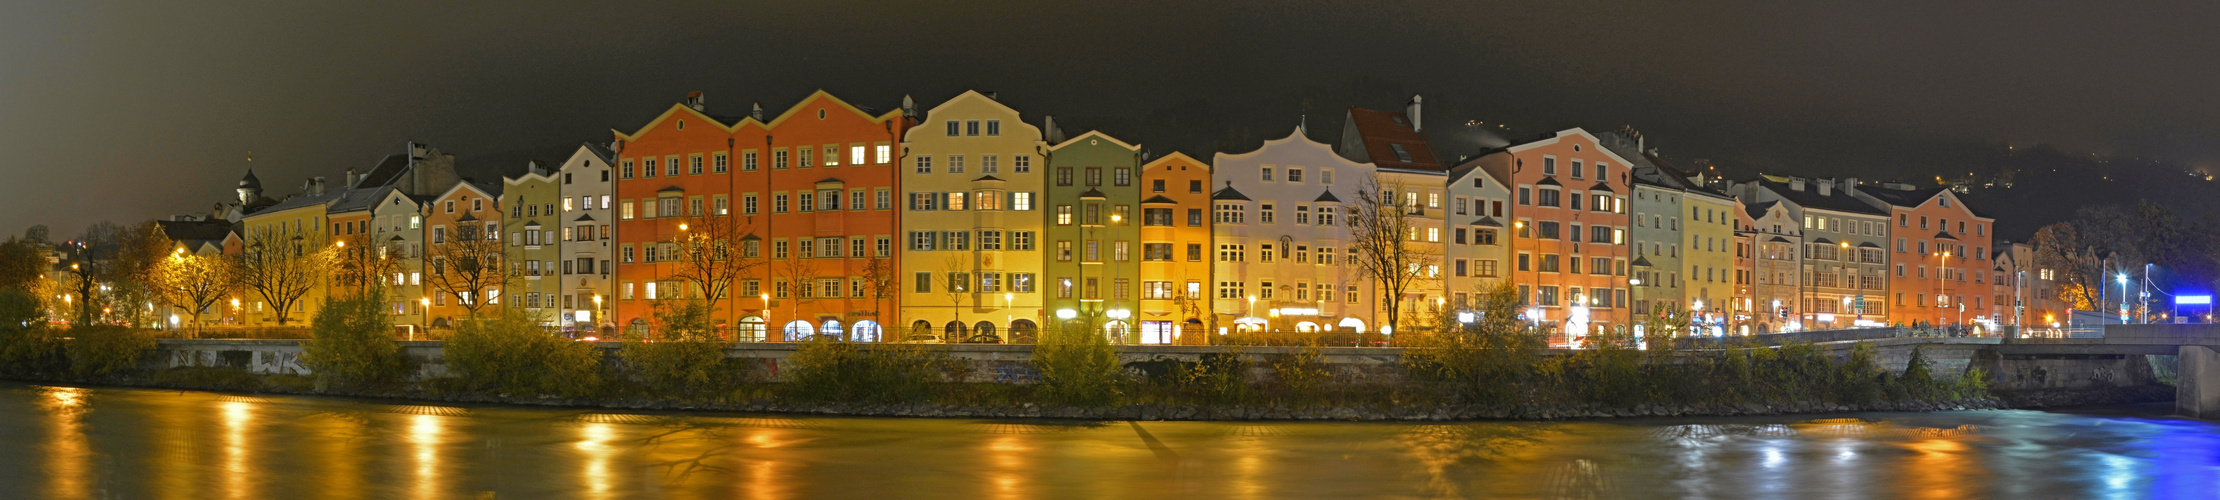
(647, 167)
(1228, 213)
(883, 199)
(1156, 252)
(1156, 216)
(778, 159)
(955, 164)
(1401, 155)
(989, 164)
(747, 161)
(990, 240)
(1022, 164)
(1021, 201)
(1546, 197)
(925, 164)
(971, 128)
(694, 165)
(1021, 241)
(1264, 214)
(1194, 217)
(1266, 174)
(953, 127)
(1063, 215)
(994, 127)
(1063, 176)
(1063, 250)
(1123, 176)
(832, 153)
(627, 171)
(1094, 176)
(923, 201)
(884, 154)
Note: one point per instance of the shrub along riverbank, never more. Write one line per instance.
(1494, 369)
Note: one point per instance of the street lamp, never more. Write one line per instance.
(2122, 278)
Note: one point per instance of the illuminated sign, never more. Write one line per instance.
(2201, 300)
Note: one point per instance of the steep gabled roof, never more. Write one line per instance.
(1838, 200)
(1389, 140)
(1158, 199)
(1325, 196)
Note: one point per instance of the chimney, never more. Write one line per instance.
(313, 187)
(756, 111)
(909, 107)
(1827, 187)
(1850, 185)
(696, 100)
(1796, 184)
(350, 178)
(1411, 111)
(416, 151)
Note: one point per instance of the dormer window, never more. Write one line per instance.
(1401, 155)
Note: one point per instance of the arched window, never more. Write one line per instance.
(953, 332)
(983, 329)
(796, 331)
(921, 330)
(865, 331)
(1352, 325)
(1023, 331)
(831, 330)
(751, 329)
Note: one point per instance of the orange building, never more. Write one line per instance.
(468, 210)
(1939, 254)
(1569, 227)
(808, 195)
(1175, 263)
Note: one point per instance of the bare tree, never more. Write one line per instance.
(1384, 232)
(468, 267)
(879, 279)
(281, 270)
(956, 271)
(799, 274)
(705, 253)
(362, 262)
(194, 281)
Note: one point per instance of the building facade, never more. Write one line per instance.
(1939, 255)
(945, 273)
(1281, 240)
(1478, 245)
(534, 250)
(1175, 252)
(1778, 245)
(1570, 244)
(1093, 267)
(588, 179)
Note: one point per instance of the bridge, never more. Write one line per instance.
(2122, 356)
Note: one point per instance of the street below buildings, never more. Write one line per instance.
(71, 442)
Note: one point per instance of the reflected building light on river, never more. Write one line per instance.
(766, 480)
(238, 480)
(424, 436)
(68, 457)
(1009, 464)
(594, 444)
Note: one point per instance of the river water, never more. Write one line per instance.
(69, 442)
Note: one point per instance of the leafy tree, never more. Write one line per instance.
(193, 281)
(353, 341)
(22, 265)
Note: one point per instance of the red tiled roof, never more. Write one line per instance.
(1381, 131)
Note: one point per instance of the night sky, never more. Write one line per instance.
(127, 112)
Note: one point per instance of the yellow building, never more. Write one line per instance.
(1709, 261)
(971, 176)
(282, 240)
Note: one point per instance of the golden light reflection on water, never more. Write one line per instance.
(1007, 462)
(238, 480)
(766, 471)
(341, 457)
(425, 432)
(68, 457)
(1249, 457)
(593, 442)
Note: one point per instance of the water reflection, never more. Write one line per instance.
(424, 439)
(593, 443)
(155, 444)
(68, 456)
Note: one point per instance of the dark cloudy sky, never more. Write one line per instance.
(130, 111)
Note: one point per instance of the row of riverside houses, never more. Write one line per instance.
(966, 222)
